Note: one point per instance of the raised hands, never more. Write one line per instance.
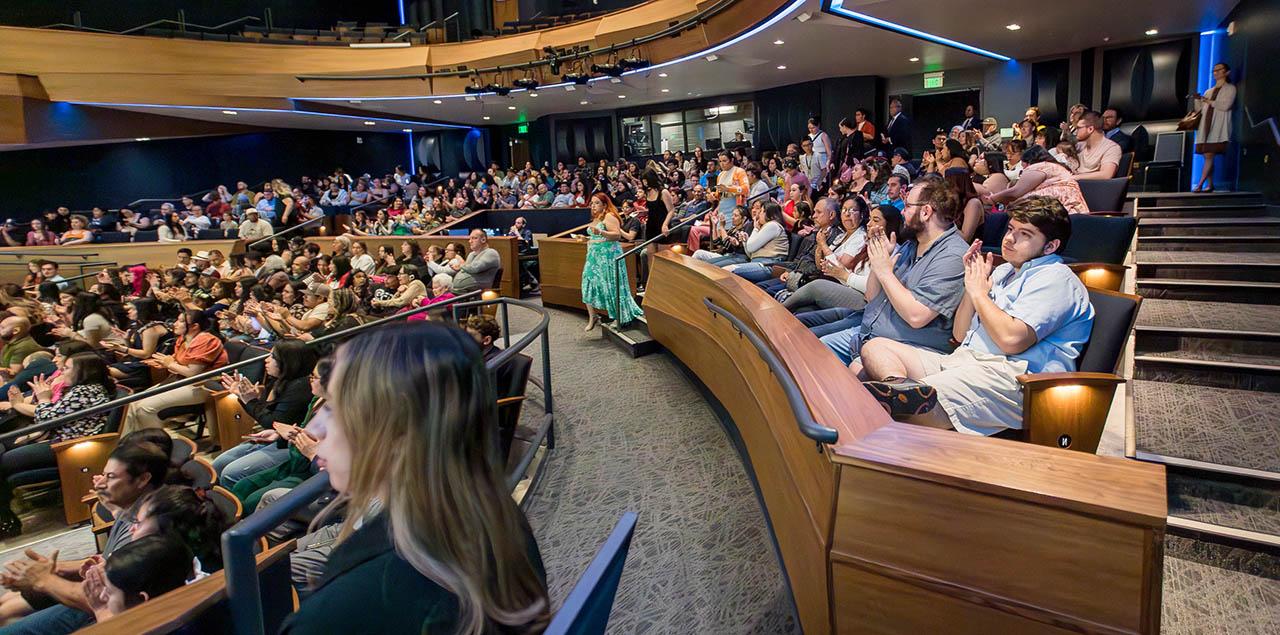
(977, 272)
(880, 253)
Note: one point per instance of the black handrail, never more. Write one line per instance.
(689, 220)
(284, 233)
(210, 374)
(24, 254)
(243, 592)
(184, 25)
(674, 29)
(85, 275)
(799, 409)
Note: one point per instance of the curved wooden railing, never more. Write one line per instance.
(898, 528)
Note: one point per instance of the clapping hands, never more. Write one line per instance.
(977, 271)
(881, 257)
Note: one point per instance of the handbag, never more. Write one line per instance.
(1191, 121)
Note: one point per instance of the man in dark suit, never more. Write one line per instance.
(971, 120)
(1111, 129)
(897, 133)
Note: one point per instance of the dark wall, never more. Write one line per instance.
(452, 151)
(1252, 53)
(116, 174)
(782, 112)
(118, 16)
(1148, 82)
(1049, 82)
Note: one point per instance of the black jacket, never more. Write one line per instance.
(899, 133)
(367, 588)
(289, 405)
(1123, 140)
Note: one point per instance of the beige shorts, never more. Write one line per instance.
(978, 391)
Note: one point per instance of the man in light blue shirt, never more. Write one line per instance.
(1030, 315)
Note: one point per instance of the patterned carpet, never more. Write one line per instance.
(1226, 502)
(1217, 425)
(1227, 316)
(634, 435)
(1175, 257)
(1200, 597)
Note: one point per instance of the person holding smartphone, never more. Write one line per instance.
(283, 400)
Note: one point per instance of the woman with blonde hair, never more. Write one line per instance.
(604, 285)
(448, 550)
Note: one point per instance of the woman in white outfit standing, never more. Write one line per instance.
(821, 149)
(1215, 123)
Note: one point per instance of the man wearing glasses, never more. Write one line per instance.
(914, 288)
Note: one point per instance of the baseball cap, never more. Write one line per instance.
(990, 121)
(318, 289)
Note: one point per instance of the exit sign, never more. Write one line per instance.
(522, 128)
(933, 80)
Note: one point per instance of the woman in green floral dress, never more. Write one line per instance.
(604, 287)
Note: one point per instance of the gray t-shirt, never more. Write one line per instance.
(122, 530)
(936, 279)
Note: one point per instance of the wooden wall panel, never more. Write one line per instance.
(560, 267)
(155, 255)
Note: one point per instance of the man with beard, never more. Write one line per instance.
(913, 291)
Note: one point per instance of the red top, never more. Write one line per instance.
(41, 239)
(204, 348)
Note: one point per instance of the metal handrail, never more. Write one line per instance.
(283, 233)
(244, 595)
(684, 25)
(689, 220)
(210, 374)
(804, 419)
(184, 25)
(24, 254)
(85, 275)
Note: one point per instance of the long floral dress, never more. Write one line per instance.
(602, 284)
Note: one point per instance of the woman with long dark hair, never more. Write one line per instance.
(147, 335)
(279, 404)
(196, 350)
(90, 321)
(605, 287)
(448, 551)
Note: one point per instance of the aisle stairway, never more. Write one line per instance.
(1206, 400)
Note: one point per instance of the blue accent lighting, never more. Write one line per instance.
(837, 7)
(1212, 44)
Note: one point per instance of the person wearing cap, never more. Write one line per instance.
(316, 300)
(200, 263)
(991, 140)
(902, 166)
(253, 227)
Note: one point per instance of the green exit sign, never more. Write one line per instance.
(522, 128)
(933, 80)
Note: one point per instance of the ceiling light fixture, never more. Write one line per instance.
(782, 67)
(406, 130)
(584, 102)
(634, 61)
(533, 94)
(779, 42)
(1153, 31)
(474, 88)
(142, 138)
(914, 59)
(230, 112)
(1013, 27)
(511, 107)
(712, 57)
(486, 117)
(370, 123)
(622, 96)
(662, 74)
(436, 101)
(527, 83)
(666, 90)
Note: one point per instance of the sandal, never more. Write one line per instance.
(903, 398)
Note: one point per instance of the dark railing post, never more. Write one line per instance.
(546, 385)
(506, 327)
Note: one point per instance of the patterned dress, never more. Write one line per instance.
(603, 285)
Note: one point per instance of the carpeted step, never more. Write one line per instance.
(1233, 291)
(1201, 242)
(1208, 265)
(1219, 500)
(1219, 226)
(1176, 199)
(1213, 429)
(1242, 371)
(1208, 328)
(1216, 586)
(1204, 211)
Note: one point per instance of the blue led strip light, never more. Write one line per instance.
(837, 7)
(400, 122)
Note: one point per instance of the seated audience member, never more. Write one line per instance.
(51, 587)
(409, 291)
(196, 221)
(139, 571)
(1111, 121)
(441, 291)
(315, 304)
(90, 321)
(480, 267)
(1030, 315)
(386, 443)
(170, 229)
(39, 235)
(18, 345)
(360, 258)
(303, 439)
(972, 214)
(278, 406)
(253, 227)
(146, 335)
(196, 350)
(914, 288)
(1043, 176)
(79, 232)
(991, 140)
(767, 243)
(834, 303)
(85, 383)
(49, 273)
(1099, 156)
(346, 310)
(813, 247)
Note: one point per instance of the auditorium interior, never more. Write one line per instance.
(640, 316)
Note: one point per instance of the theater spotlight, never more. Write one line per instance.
(634, 62)
(474, 88)
(578, 76)
(496, 86)
(610, 67)
(528, 82)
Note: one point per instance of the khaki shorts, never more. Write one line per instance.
(978, 391)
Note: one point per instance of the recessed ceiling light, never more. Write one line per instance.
(666, 90)
(688, 93)
(1013, 27)
(511, 107)
(712, 57)
(779, 42)
(470, 98)
(914, 59)
(782, 67)
(1153, 31)
(230, 112)
(662, 74)
(804, 17)
(533, 94)
(353, 101)
(570, 88)
(142, 138)
(406, 130)
(486, 117)
(622, 96)
(436, 101)
(370, 123)
(584, 102)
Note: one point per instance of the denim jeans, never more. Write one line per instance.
(845, 344)
(246, 459)
(754, 271)
(55, 620)
(827, 321)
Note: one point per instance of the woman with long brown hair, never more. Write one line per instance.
(413, 435)
(604, 284)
